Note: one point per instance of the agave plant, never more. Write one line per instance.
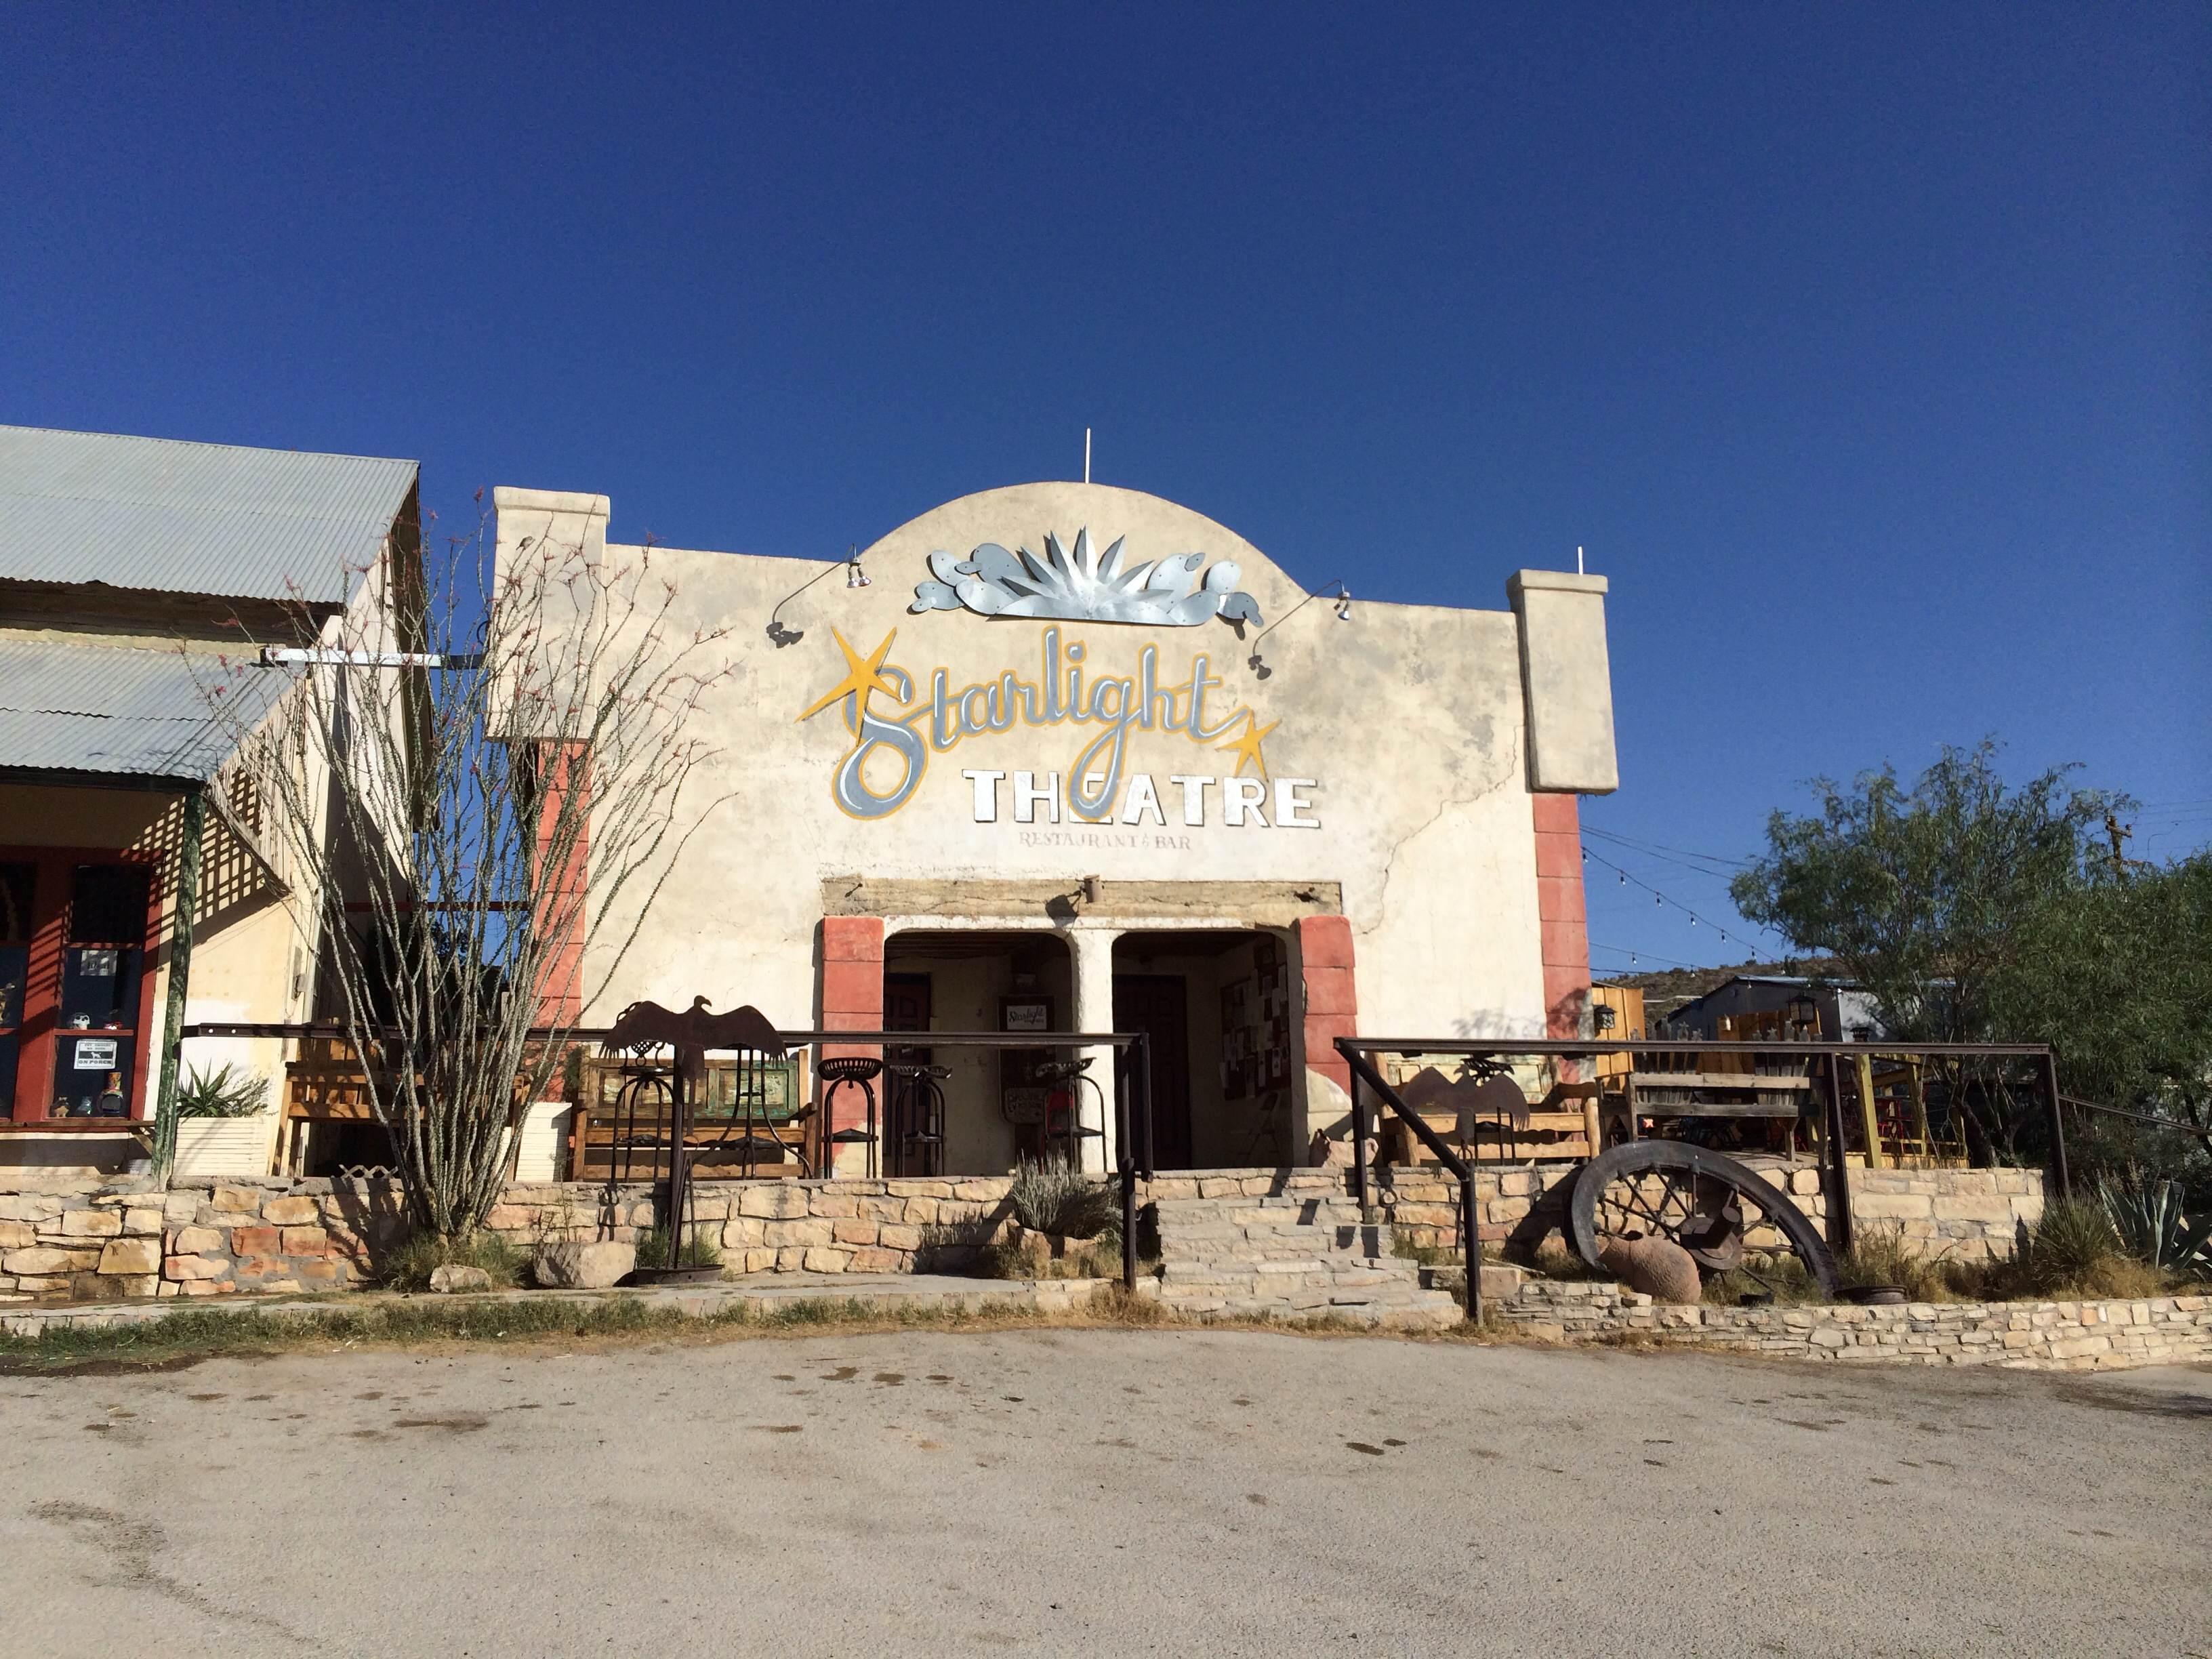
(1077, 586)
(224, 1092)
(2147, 1216)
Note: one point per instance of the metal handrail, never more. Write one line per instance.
(1363, 1071)
(1835, 1183)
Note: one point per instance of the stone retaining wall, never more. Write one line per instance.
(883, 1226)
(100, 1241)
(2031, 1336)
(1970, 1214)
(94, 1240)
(127, 1238)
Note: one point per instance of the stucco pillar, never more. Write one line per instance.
(1091, 953)
(1330, 1009)
(1560, 915)
(853, 1001)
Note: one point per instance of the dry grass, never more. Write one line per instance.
(409, 1265)
(352, 1322)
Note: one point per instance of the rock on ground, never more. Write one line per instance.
(583, 1267)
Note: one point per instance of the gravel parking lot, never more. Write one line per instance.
(1121, 1491)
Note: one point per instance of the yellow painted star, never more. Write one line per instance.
(1247, 747)
(862, 675)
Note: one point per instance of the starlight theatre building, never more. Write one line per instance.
(1064, 758)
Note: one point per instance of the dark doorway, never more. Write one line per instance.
(1158, 1005)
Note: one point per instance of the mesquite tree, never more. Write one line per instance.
(1933, 898)
(480, 822)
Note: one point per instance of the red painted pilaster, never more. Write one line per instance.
(852, 998)
(1559, 914)
(562, 893)
(1332, 1001)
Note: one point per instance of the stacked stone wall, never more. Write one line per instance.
(89, 1239)
(127, 1238)
(2036, 1335)
(884, 1226)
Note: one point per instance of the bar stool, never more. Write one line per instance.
(918, 1122)
(846, 1071)
(1072, 1074)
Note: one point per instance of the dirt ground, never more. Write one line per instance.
(1110, 1492)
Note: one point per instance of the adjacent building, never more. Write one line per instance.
(140, 887)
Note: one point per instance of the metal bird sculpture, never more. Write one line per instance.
(644, 1025)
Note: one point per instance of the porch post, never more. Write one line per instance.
(1091, 953)
(183, 903)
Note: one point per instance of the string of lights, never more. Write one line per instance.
(1658, 898)
(1638, 958)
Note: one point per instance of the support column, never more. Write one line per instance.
(1090, 951)
(853, 1001)
(1329, 1009)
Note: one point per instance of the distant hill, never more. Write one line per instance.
(1666, 989)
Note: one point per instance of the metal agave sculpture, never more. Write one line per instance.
(1076, 586)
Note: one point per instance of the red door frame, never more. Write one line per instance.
(37, 1036)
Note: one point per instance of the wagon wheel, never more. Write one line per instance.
(1702, 1199)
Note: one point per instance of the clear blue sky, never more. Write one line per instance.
(1865, 347)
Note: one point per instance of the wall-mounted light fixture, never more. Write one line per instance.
(1343, 614)
(855, 577)
(1804, 1013)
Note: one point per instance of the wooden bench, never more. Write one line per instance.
(715, 1145)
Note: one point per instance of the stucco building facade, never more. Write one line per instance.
(1064, 758)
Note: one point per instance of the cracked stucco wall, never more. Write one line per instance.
(1409, 719)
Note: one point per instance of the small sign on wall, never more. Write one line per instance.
(96, 1055)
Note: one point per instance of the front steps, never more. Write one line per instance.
(1287, 1244)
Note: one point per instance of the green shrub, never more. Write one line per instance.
(2067, 1247)
(407, 1266)
(1055, 1197)
(224, 1092)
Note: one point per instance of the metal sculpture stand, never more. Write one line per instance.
(644, 1026)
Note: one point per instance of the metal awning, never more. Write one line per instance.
(119, 711)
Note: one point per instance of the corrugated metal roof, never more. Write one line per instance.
(187, 518)
(126, 710)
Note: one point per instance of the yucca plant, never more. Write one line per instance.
(2147, 1217)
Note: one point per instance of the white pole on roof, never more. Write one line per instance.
(1086, 454)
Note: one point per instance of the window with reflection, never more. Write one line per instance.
(95, 1048)
(17, 883)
